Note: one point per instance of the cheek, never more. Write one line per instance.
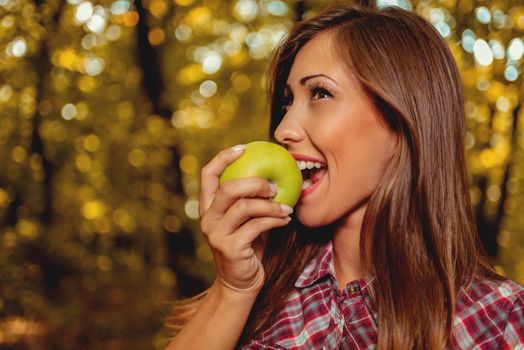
(361, 155)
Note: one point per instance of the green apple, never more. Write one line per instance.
(271, 162)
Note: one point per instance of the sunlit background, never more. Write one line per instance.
(108, 111)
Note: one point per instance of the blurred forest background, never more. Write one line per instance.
(108, 111)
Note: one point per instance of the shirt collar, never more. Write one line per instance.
(323, 265)
(317, 268)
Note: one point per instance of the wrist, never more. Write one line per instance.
(229, 292)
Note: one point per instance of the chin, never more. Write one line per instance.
(312, 221)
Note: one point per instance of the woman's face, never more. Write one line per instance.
(331, 119)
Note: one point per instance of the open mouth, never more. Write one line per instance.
(312, 172)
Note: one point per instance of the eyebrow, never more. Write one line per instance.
(308, 77)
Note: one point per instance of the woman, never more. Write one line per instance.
(382, 249)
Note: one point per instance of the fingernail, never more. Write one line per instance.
(273, 188)
(238, 148)
(286, 208)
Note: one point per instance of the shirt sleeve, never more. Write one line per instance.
(514, 331)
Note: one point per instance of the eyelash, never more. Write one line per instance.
(319, 88)
(314, 90)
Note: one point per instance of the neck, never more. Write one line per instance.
(346, 248)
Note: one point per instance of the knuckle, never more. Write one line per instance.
(241, 205)
(262, 183)
(223, 154)
(205, 171)
(270, 208)
(214, 242)
(255, 224)
(275, 207)
(227, 189)
(204, 226)
(220, 157)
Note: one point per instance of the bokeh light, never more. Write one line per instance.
(482, 52)
(84, 11)
(109, 112)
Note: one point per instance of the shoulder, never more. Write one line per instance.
(501, 293)
(490, 311)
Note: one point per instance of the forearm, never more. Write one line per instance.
(217, 323)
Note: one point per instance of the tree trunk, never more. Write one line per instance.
(181, 243)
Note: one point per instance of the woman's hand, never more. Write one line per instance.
(233, 218)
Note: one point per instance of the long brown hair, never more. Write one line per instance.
(418, 238)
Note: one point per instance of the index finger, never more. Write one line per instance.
(210, 174)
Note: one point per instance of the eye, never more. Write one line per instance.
(319, 93)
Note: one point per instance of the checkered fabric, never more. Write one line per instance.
(317, 315)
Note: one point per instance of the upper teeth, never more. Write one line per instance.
(309, 165)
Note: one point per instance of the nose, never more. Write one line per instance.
(289, 131)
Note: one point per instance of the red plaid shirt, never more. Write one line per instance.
(317, 315)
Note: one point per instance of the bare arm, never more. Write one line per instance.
(235, 218)
(218, 322)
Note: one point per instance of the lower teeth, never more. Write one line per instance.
(306, 184)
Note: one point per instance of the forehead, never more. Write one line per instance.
(320, 44)
(320, 55)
